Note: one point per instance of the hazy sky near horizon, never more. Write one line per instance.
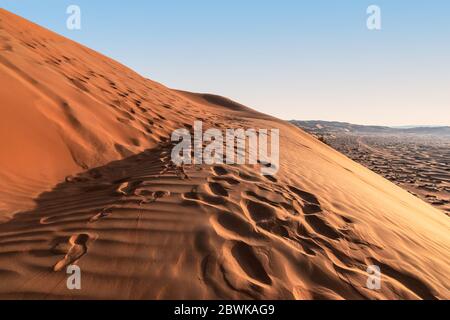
(311, 59)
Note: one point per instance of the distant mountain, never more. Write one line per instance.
(429, 130)
(410, 127)
(317, 126)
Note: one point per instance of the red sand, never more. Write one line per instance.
(140, 228)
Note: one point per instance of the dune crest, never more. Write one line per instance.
(86, 178)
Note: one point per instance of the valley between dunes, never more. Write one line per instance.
(86, 179)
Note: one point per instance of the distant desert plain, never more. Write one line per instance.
(415, 158)
(86, 180)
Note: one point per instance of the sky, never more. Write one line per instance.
(294, 59)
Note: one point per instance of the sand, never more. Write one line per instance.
(418, 162)
(86, 179)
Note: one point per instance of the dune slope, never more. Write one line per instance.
(86, 179)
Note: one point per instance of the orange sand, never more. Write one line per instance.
(140, 228)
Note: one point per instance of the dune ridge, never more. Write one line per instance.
(86, 178)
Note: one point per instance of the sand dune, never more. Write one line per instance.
(86, 178)
(417, 159)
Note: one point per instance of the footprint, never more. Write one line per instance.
(123, 151)
(249, 262)
(220, 171)
(321, 227)
(77, 248)
(122, 189)
(229, 180)
(271, 178)
(79, 83)
(160, 194)
(231, 226)
(310, 208)
(218, 189)
(151, 196)
(103, 214)
(128, 188)
(264, 199)
(308, 197)
(248, 177)
(259, 211)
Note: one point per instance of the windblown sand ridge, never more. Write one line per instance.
(95, 136)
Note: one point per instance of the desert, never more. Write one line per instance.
(417, 159)
(86, 179)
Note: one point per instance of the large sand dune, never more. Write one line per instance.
(86, 178)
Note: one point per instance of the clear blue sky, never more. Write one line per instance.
(311, 59)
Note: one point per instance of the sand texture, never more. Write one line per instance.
(86, 178)
(417, 159)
